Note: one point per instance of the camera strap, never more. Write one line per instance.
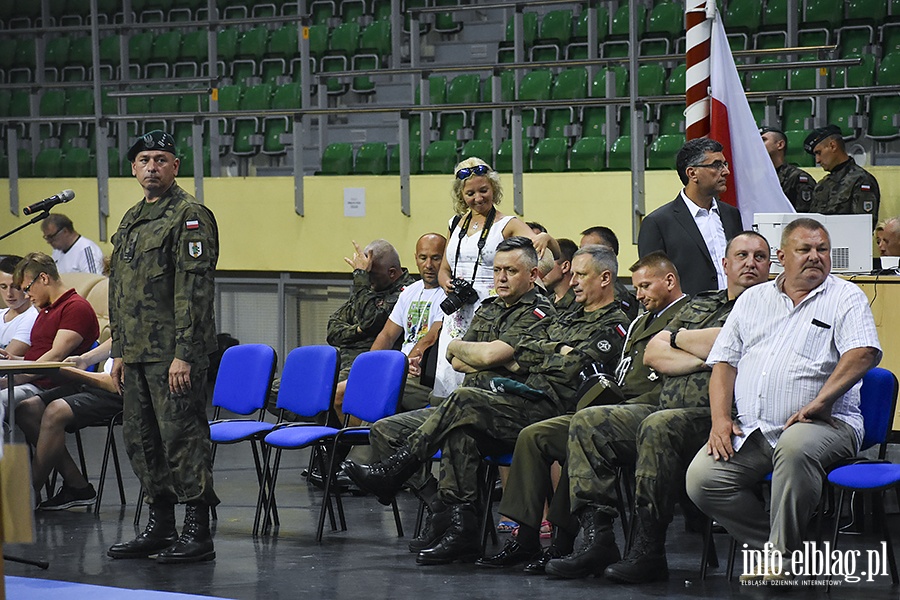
(482, 240)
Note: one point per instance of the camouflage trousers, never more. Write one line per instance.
(469, 423)
(658, 443)
(167, 435)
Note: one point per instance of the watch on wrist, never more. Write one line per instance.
(672, 341)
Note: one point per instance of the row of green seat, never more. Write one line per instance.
(81, 162)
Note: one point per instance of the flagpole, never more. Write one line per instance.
(698, 29)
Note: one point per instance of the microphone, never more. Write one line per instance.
(48, 203)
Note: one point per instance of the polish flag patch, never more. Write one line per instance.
(192, 224)
(621, 330)
(865, 187)
(539, 313)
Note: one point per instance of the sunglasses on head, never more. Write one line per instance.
(467, 172)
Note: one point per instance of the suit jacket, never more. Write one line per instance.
(671, 228)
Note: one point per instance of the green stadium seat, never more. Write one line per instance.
(889, 69)
(620, 20)
(677, 78)
(840, 111)
(284, 43)
(671, 119)
(109, 50)
(580, 30)
(78, 163)
(445, 22)
(322, 11)
(437, 90)
(555, 33)
(803, 79)
(80, 52)
(26, 163)
(374, 47)
(371, 159)
(615, 48)
(140, 47)
(7, 52)
(503, 163)
(337, 159)
(855, 40)
(857, 76)
(569, 84)
(743, 16)
(248, 132)
(666, 24)
(620, 154)
(440, 157)
(829, 13)
(53, 103)
(79, 101)
(166, 47)
(49, 163)
(483, 125)
(253, 43)
(758, 110)
(56, 53)
(5, 101)
(813, 37)
(415, 162)
(883, 110)
(797, 114)
(550, 154)
(352, 10)
(194, 46)
(598, 86)
(318, 41)
(651, 80)
(593, 121)
(230, 97)
(345, 39)
(770, 40)
(463, 89)
(423, 27)
(866, 11)
(588, 154)
(775, 14)
(482, 149)
(187, 163)
(24, 57)
(768, 80)
(795, 153)
(663, 151)
(535, 87)
(530, 29)
(20, 103)
(227, 44)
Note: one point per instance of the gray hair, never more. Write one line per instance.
(803, 223)
(384, 254)
(602, 258)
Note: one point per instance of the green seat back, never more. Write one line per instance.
(666, 20)
(550, 154)
(337, 159)
(371, 159)
(556, 26)
(284, 43)
(663, 151)
(536, 85)
(581, 25)
(482, 149)
(252, 44)
(620, 154)
(440, 157)
(598, 85)
(570, 84)
(588, 154)
(166, 47)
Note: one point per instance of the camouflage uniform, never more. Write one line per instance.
(848, 189)
(493, 320)
(628, 303)
(659, 440)
(541, 444)
(798, 186)
(567, 302)
(161, 307)
(366, 310)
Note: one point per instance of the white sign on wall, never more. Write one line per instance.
(354, 202)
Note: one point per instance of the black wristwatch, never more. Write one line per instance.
(672, 340)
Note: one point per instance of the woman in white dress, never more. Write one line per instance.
(475, 232)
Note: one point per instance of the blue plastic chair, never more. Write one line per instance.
(308, 383)
(374, 390)
(879, 397)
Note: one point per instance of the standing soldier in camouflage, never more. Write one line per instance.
(659, 439)
(541, 444)
(798, 185)
(552, 358)
(848, 189)
(162, 319)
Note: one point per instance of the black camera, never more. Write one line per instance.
(463, 293)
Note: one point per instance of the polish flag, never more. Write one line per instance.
(754, 186)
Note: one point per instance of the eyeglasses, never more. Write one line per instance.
(27, 288)
(467, 172)
(718, 165)
(49, 237)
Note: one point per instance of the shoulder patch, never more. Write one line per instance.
(195, 249)
(621, 330)
(192, 224)
(865, 187)
(868, 206)
(539, 313)
(803, 179)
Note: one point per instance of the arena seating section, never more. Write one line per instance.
(259, 68)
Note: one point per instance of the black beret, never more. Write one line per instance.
(153, 140)
(767, 129)
(813, 139)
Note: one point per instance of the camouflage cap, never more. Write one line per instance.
(818, 135)
(153, 140)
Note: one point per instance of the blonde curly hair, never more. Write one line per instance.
(459, 203)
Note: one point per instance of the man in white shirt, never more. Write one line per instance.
(72, 252)
(17, 319)
(789, 358)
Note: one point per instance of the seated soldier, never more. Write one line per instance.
(607, 237)
(658, 439)
(45, 418)
(66, 323)
(538, 446)
(550, 355)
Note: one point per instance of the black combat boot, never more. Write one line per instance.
(459, 542)
(158, 535)
(195, 543)
(598, 548)
(645, 561)
(437, 520)
(384, 478)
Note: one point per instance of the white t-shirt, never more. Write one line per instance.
(83, 257)
(416, 310)
(17, 329)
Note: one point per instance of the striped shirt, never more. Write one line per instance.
(784, 353)
(83, 257)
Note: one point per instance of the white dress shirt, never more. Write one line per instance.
(709, 222)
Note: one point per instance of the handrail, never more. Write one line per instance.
(135, 25)
(487, 5)
(417, 108)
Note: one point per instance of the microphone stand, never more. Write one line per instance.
(35, 219)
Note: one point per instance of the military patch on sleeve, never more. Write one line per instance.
(195, 249)
(604, 346)
(621, 330)
(539, 313)
(806, 195)
(868, 205)
(803, 179)
(192, 224)
(865, 187)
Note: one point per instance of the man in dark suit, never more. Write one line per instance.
(541, 444)
(693, 229)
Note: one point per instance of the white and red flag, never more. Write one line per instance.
(754, 186)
